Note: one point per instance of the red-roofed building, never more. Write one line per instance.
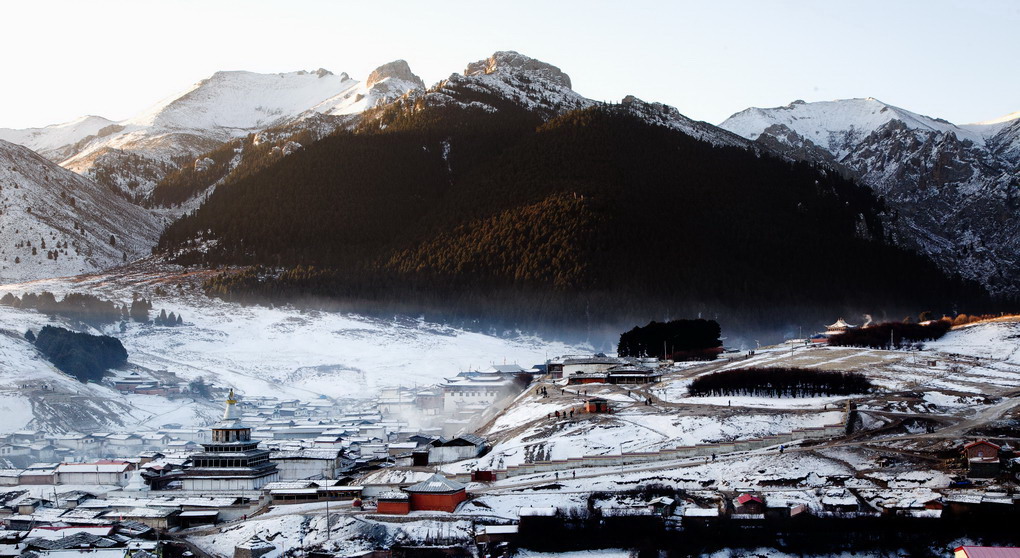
(749, 504)
(986, 552)
(982, 459)
(982, 449)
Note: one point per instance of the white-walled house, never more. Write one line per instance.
(479, 389)
(112, 473)
(309, 463)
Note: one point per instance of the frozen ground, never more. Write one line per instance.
(280, 352)
(530, 430)
(302, 527)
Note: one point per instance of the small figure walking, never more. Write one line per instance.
(782, 448)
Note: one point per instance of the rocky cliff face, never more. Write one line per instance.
(951, 191)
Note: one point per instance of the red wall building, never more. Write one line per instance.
(437, 493)
(394, 503)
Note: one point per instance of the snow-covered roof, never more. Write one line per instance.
(143, 512)
(549, 511)
(692, 511)
(498, 529)
(840, 324)
(307, 453)
(93, 467)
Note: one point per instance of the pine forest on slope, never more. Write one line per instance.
(483, 195)
(592, 217)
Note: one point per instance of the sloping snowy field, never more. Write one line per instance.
(259, 351)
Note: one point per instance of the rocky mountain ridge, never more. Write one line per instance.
(951, 192)
(132, 156)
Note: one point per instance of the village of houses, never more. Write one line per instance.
(498, 458)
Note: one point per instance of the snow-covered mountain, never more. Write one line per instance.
(951, 191)
(57, 142)
(510, 79)
(55, 223)
(134, 154)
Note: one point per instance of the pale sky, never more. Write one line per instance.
(957, 60)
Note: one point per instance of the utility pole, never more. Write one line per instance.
(327, 502)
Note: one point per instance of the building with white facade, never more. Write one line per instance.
(483, 388)
(310, 463)
(110, 473)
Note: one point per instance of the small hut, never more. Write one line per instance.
(596, 405)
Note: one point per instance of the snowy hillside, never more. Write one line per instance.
(511, 77)
(50, 140)
(56, 223)
(278, 352)
(950, 190)
(836, 126)
(134, 154)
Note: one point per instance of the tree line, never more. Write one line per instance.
(892, 335)
(677, 340)
(90, 309)
(779, 382)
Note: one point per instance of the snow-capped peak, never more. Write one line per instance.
(1000, 120)
(56, 135)
(830, 124)
(242, 101)
(396, 70)
(508, 61)
(386, 83)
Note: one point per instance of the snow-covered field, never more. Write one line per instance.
(280, 352)
(529, 430)
(304, 527)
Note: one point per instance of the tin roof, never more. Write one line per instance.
(436, 484)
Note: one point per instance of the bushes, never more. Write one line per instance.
(84, 356)
(890, 335)
(779, 382)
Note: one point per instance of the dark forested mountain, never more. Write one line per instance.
(501, 193)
